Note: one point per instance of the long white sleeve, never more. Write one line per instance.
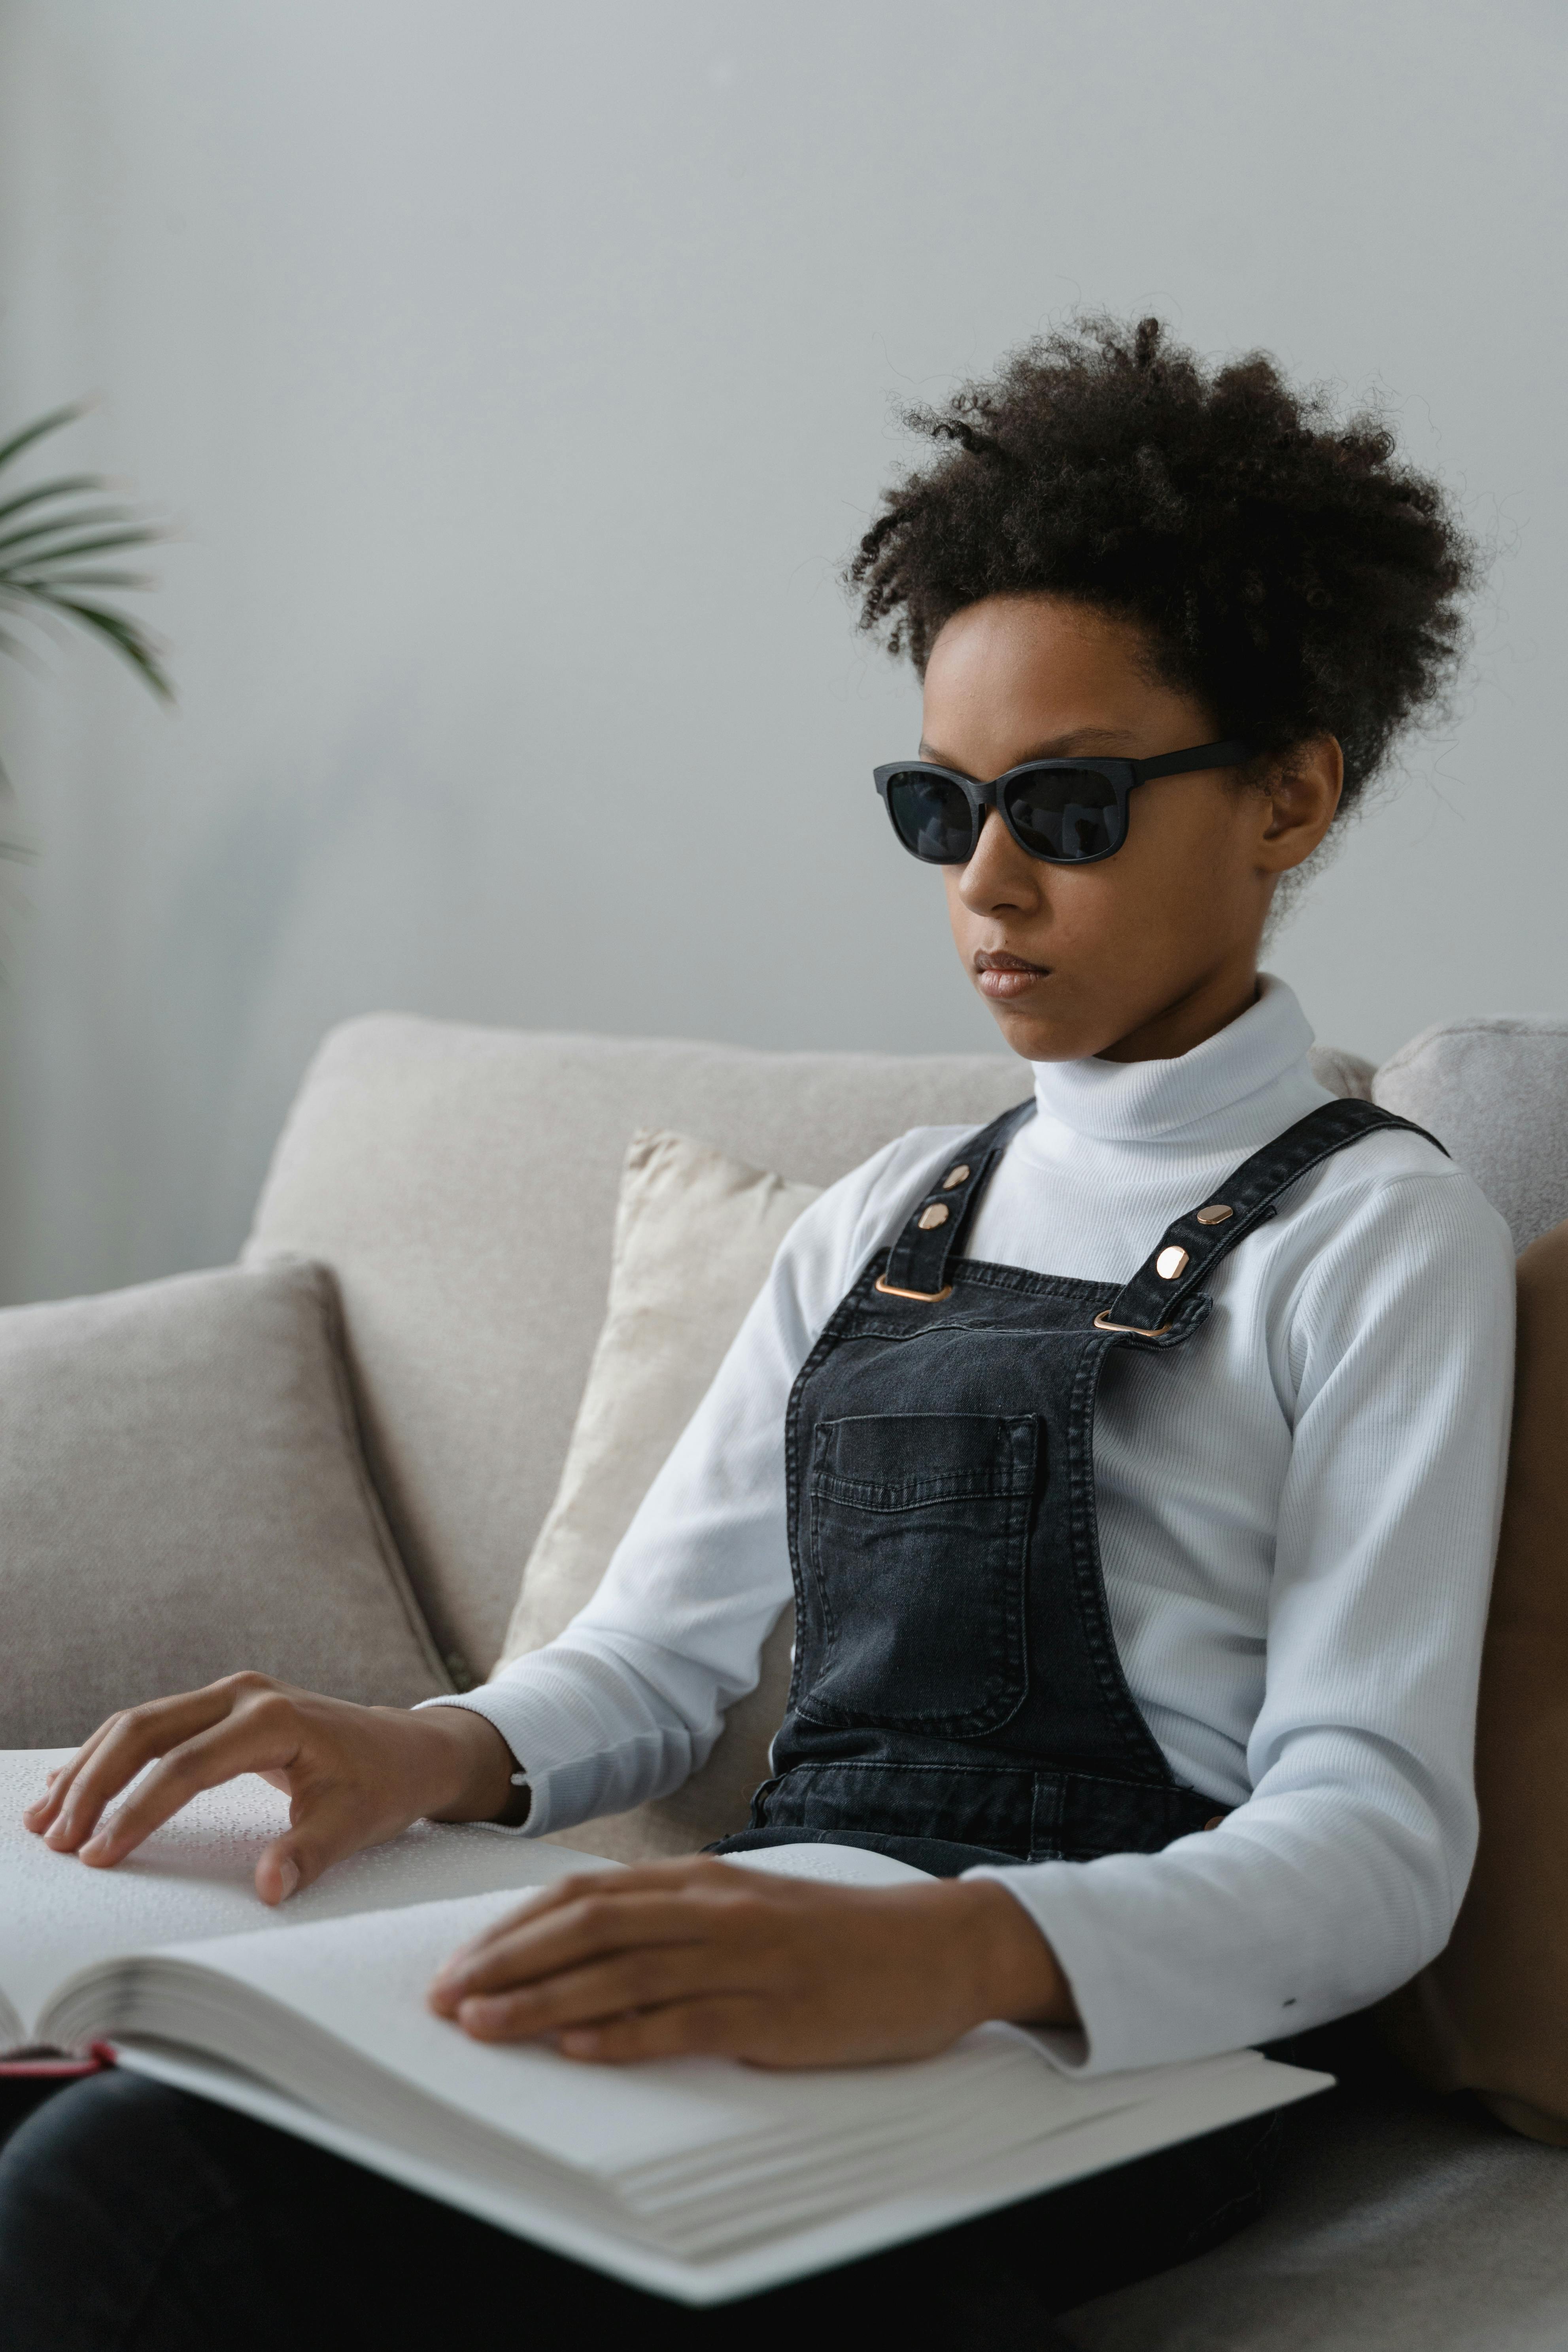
(1341, 1873)
(1297, 1515)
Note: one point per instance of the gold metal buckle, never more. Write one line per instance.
(926, 1297)
(1103, 1323)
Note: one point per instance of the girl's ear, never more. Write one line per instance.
(1301, 798)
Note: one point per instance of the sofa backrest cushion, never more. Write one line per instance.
(1496, 1092)
(182, 1493)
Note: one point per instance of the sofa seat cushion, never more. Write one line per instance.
(1397, 2223)
(182, 1493)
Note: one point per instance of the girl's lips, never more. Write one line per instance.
(1001, 977)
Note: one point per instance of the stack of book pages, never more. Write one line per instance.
(697, 2178)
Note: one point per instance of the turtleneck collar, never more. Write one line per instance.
(1244, 1068)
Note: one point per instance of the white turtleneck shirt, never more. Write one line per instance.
(1297, 1515)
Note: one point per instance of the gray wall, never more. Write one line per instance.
(518, 375)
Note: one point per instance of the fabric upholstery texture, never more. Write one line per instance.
(182, 1492)
(695, 1235)
(1396, 2223)
(1495, 1092)
(1491, 2013)
(1344, 1073)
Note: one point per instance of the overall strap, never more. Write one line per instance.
(1189, 1250)
(918, 1261)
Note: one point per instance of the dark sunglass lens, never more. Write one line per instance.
(932, 816)
(1065, 813)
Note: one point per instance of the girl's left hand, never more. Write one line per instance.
(678, 1958)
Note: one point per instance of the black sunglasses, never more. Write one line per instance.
(1067, 812)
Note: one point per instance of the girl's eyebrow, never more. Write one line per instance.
(1079, 741)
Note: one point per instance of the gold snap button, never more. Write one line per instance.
(1214, 1214)
(937, 1215)
(1214, 1820)
(959, 1175)
(1171, 1263)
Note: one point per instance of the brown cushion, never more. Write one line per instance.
(1491, 2014)
(182, 1493)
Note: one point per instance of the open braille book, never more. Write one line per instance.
(697, 2179)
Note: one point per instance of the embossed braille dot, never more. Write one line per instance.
(959, 1175)
(937, 1215)
(1171, 1263)
(1214, 1214)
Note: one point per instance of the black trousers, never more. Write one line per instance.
(134, 2217)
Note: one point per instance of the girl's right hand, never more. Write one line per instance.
(354, 1776)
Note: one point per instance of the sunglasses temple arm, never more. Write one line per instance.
(1231, 753)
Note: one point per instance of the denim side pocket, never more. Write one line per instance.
(917, 1559)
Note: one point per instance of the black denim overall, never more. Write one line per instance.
(957, 1696)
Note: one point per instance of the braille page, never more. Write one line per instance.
(696, 2162)
(336, 2014)
(192, 1879)
(363, 1981)
(346, 1992)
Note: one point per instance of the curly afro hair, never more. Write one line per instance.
(1283, 565)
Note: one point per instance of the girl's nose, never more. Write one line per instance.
(999, 874)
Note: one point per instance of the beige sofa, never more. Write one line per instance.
(460, 1185)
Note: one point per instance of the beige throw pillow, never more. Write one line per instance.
(183, 1492)
(695, 1235)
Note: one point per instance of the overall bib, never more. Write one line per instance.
(957, 1696)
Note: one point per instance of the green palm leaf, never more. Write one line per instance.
(40, 561)
(36, 430)
(80, 520)
(58, 525)
(93, 579)
(126, 636)
(69, 485)
(130, 535)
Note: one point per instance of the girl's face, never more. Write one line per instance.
(1148, 952)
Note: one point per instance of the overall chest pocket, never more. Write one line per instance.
(917, 1554)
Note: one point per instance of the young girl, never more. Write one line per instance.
(1135, 1464)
